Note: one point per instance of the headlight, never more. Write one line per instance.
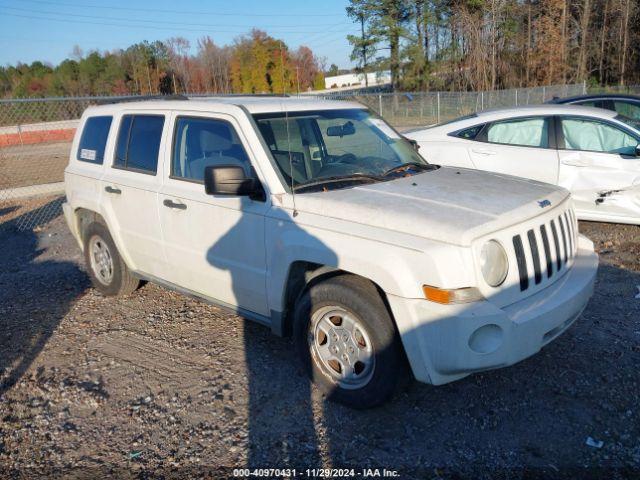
(494, 263)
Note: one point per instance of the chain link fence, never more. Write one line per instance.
(36, 135)
(428, 108)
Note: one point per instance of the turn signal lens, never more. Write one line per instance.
(458, 295)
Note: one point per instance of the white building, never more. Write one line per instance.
(357, 79)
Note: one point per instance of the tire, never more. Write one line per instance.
(108, 272)
(361, 321)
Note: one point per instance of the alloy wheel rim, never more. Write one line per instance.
(342, 347)
(101, 260)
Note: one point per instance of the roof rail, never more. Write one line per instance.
(143, 99)
(232, 95)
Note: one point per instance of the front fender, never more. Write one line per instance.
(397, 270)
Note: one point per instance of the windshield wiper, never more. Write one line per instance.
(406, 166)
(357, 177)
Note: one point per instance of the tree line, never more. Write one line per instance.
(254, 63)
(490, 44)
(426, 44)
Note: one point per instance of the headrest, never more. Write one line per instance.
(217, 141)
(267, 133)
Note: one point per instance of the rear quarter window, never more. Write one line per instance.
(94, 139)
(469, 133)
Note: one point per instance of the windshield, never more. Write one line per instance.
(318, 145)
(629, 121)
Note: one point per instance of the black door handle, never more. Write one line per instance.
(117, 191)
(172, 204)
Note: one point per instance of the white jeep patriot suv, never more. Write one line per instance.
(317, 218)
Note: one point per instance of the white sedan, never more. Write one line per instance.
(594, 153)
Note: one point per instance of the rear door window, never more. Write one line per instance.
(138, 143)
(606, 104)
(94, 139)
(628, 109)
(524, 132)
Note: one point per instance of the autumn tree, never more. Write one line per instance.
(216, 63)
(489, 44)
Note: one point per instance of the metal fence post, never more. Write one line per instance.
(481, 100)
(438, 111)
(544, 93)
(516, 97)
(380, 104)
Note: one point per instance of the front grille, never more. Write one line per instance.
(558, 249)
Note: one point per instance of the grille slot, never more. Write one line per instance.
(535, 255)
(547, 250)
(522, 262)
(554, 231)
(570, 229)
(564, 238)
(530, 250)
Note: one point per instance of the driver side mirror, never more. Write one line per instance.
(638, 150)
(231, 180)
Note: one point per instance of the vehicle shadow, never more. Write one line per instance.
(27, 272)
(281, 419)
(7, 210)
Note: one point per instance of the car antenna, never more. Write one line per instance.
(286, 123)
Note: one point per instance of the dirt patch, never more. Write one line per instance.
(28, 165)
(160, 384)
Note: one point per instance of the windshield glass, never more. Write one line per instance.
(331, 144)
(629, 121)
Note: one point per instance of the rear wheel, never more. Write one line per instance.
(347, 341)
(107, 270)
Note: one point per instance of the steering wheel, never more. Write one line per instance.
(348, 158)
(333, 169)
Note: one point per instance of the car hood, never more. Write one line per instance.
(452, 205)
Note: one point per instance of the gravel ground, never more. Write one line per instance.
(158, 384)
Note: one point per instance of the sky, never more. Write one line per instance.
(47, 30)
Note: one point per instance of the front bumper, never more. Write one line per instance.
(448, 342)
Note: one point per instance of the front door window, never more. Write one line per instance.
(595, 136)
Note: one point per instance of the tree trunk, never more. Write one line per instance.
(584, 29)
(394, 45)
(528, 56)
(563, 43)
(625, 41)
(364, 53)
(425, 31)
(494, 46)
(149, 79)
(602, 40)
(420, 59)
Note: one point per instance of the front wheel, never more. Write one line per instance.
(346, 339)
